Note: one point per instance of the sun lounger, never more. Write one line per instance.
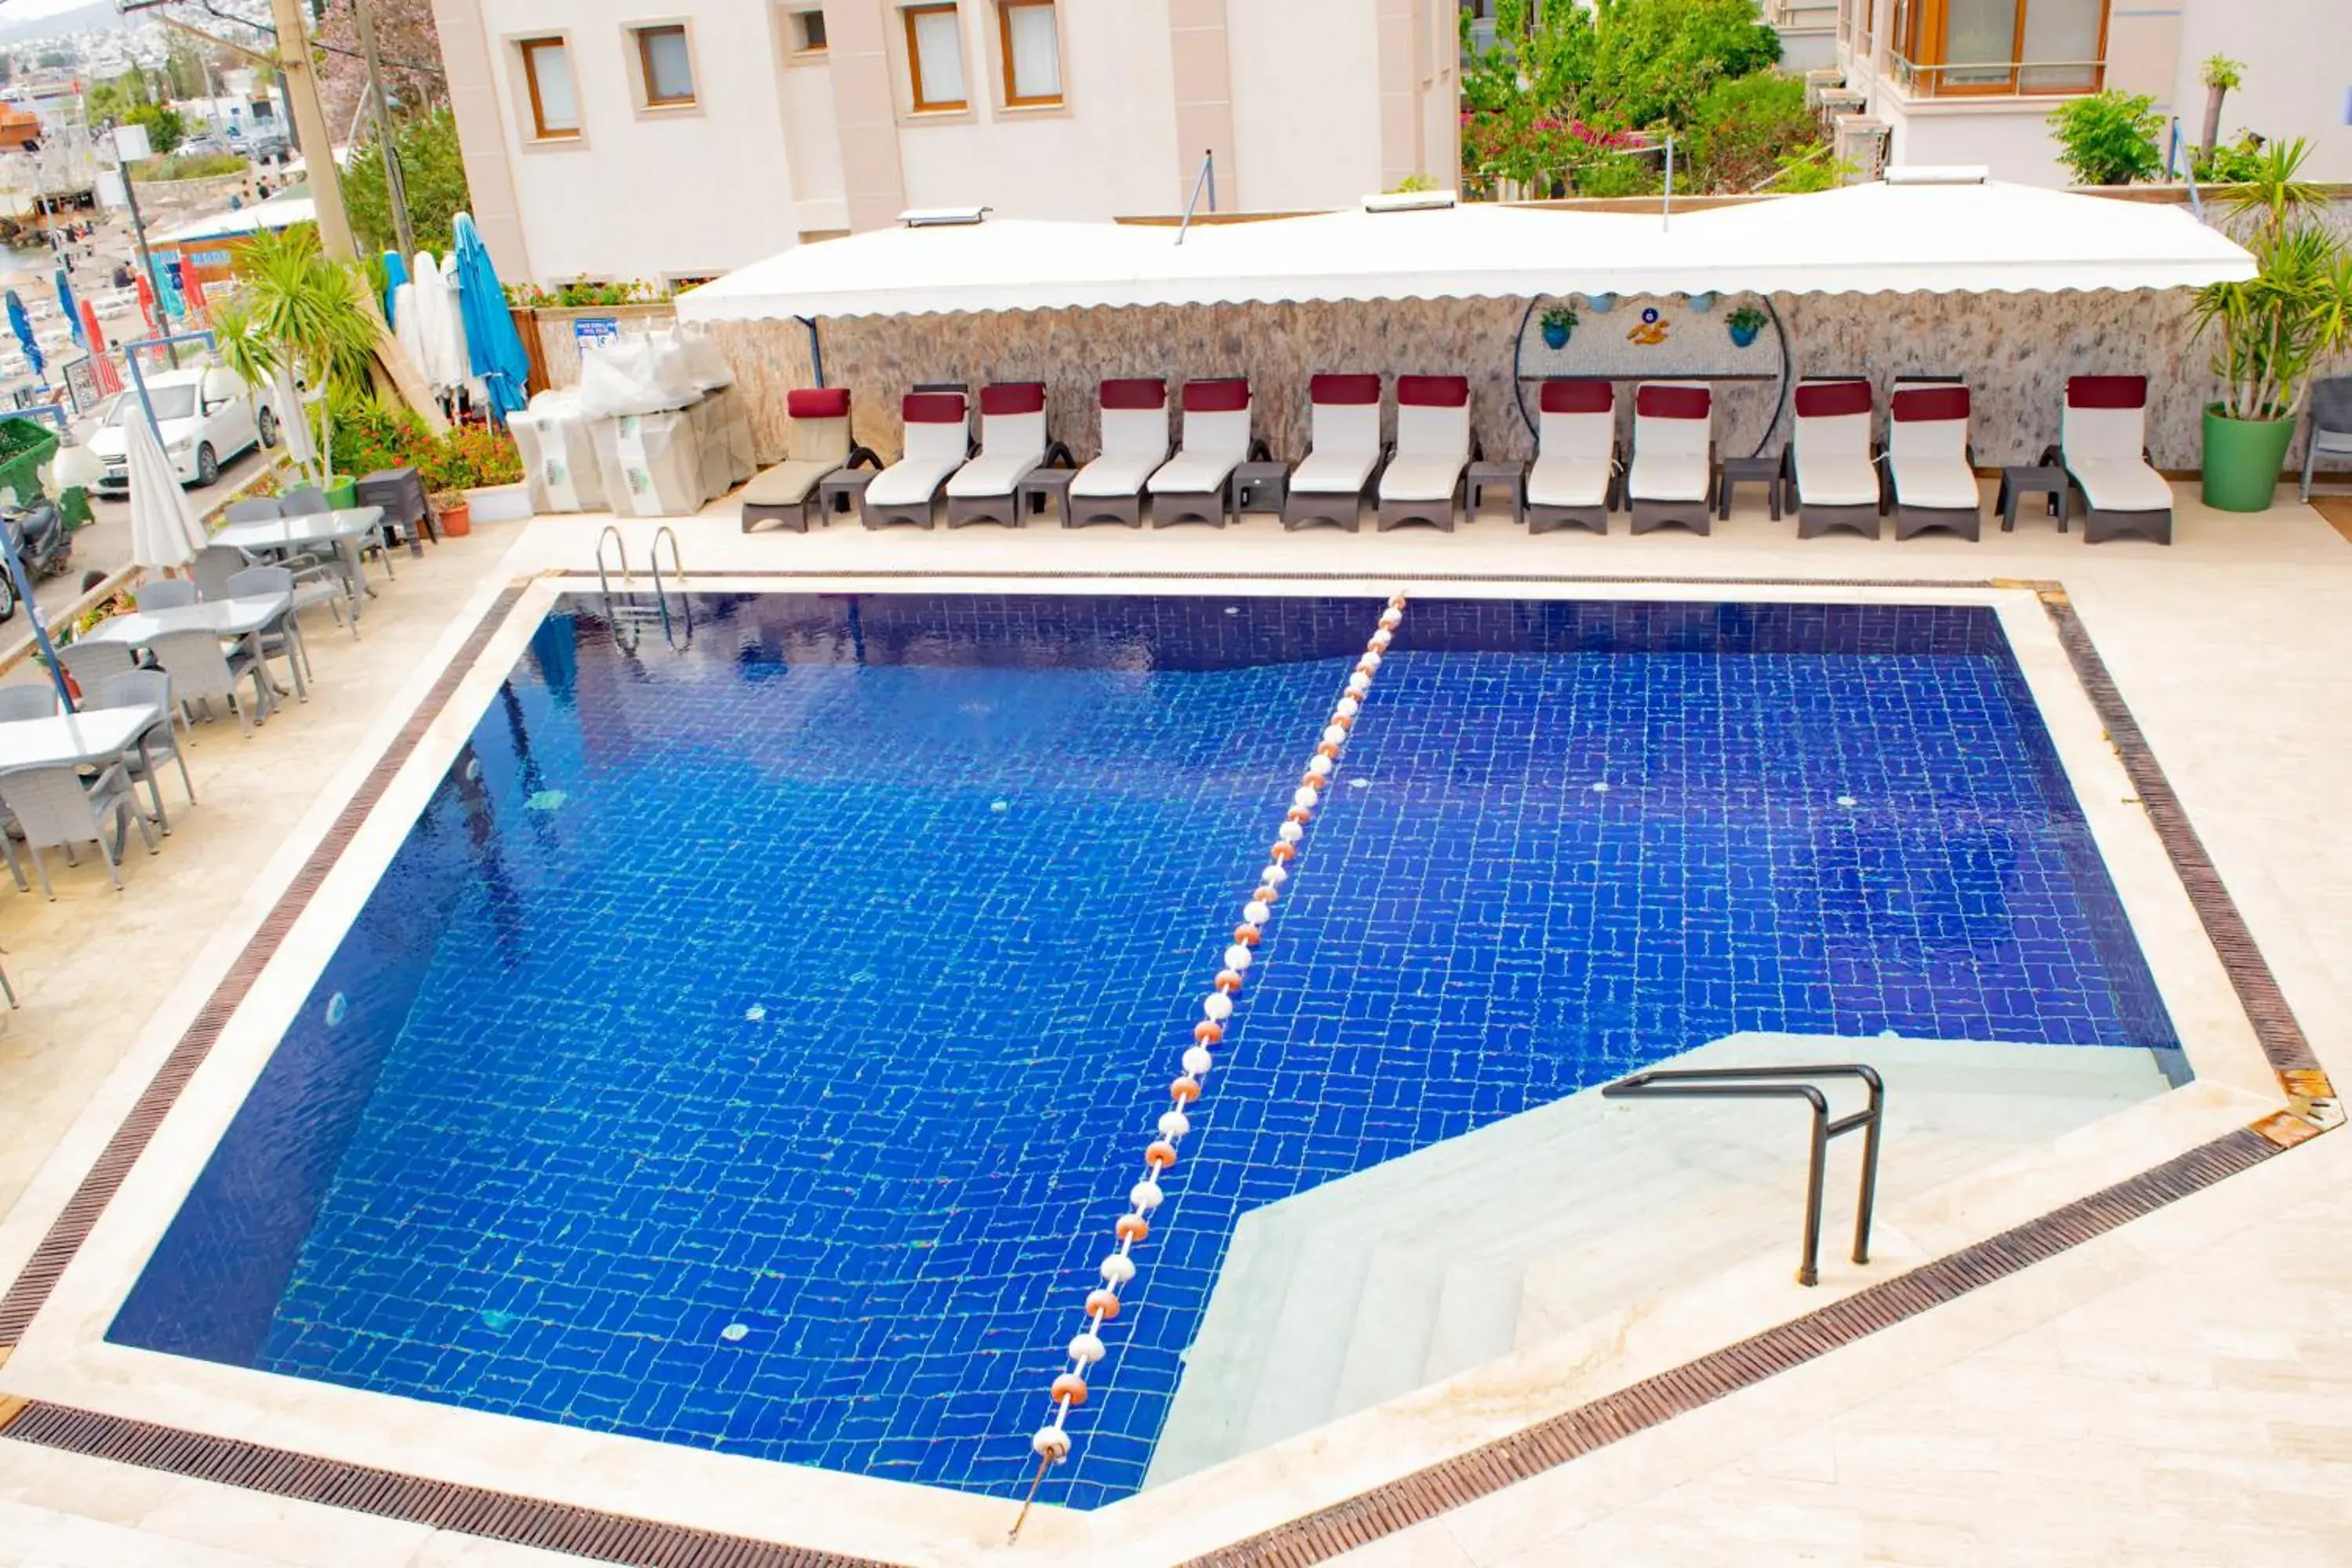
(1012, 445)
(1574, 481)
(1192, 485)
(1672, 479)
(1931, 475)
(1134, 444)
(2103, 444)
(938, 443)
(1343, 452)
(1830, 470)
(816, 442)
(1422, 483)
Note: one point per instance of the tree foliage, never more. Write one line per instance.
(434, 171)
(408, 45)
(2108, 138)
(166, 131)
(1744, 127)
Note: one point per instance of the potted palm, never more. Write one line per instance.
(300, 311)
(2276, 328)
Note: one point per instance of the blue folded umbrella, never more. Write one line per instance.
(395, 273)
(22, 325)
(66, 303)
(495, 351)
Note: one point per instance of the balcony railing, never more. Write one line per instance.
(1997, 78)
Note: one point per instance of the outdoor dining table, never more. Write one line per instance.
(94, 737)
(246, 618)
(342, 530)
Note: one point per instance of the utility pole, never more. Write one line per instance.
(310, 125)
(395, 186)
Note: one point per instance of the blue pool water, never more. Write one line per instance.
(750, 1049)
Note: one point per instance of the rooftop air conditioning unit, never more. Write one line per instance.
(1860, 140)
(1819, 81)
(1837, 101)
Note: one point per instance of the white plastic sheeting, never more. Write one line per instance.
(1871, 238)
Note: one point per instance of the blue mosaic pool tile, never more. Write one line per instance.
(749, 1050)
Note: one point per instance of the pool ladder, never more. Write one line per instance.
(628, 612)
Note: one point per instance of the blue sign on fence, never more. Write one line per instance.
(595, 331)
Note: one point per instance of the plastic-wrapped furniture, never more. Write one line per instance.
(1343, 452)
(656, 461)
(1190, 486)
(1831, 467)
(2103, 445)
(1422, 483)
(1134, 414)
(938, 442)
(559, 456)
(1012, 445)
(816, 442)
(1671, 477)
(1574, 481)
(1931, 477)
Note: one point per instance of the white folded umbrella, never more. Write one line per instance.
(291, 420)
(165, 532)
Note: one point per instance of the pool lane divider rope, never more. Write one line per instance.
(1051, 1443)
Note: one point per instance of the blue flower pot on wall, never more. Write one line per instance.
(1744, 335)
(1555, 334)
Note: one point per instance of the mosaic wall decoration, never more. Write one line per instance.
(1651, 337)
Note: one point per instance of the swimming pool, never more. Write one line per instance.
(749, 1047)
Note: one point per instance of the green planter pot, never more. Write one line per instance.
(2242, 457)
(342, 490)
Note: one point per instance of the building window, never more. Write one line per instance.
(808, 32)
(1961, 48)
(665, 67)
(1031, 47)
(935, 58)
(554, 102)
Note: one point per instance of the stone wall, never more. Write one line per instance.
(2014, 350)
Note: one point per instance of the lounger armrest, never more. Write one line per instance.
(2051, 457)
(1259, 452)
(1059, 455)
(1478, 448)
(865, 454)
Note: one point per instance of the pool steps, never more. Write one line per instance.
(1406, 1274)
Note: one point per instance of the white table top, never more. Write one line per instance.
(311, 528)
(222, 617)
(64, 740)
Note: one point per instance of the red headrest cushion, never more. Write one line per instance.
(1432, 391)
(1227, 396)
(933, 408)
(817, 402)
(1591, 396)
(1921, 403)
(1140, 391)
(1344, 389)
(1013, 397)
(1673, 402)
(1829, 399)
(2106, 392)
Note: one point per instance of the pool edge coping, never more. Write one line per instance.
(1323, 1531)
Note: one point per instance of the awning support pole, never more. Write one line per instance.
(817, 349)
(1208, 179)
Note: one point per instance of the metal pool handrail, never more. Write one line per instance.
(1051, 1442)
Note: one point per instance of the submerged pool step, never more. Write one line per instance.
(1367, 1287)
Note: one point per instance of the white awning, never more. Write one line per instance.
(277, 212)
(1873, 239)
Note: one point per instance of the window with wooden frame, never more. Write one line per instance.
(935, 58)
(665, 65)
(554, 99)
(1989, 47)
(808, 32)
(1029, 40)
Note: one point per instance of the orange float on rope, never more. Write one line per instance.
(1132, 1227)
(1228, 980)
(1161, 1155)
(1072, 1387)
(1345, 720)
(1246, 935)
(1282, 852)
(1208, 1031)
(1184, 1090)
(1298, 815)
(1264, 895)
(1325, 749)
(1103, 1304)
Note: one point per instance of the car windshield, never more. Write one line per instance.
(170, 403)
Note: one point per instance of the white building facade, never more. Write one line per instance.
(672, 140)
(1973, 82)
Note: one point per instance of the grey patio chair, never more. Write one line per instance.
(29, 701)
(284, 641)
(258, 509)
(57, 810)
(200, 671)
(164, 593)
(215, 564)
(148, 689)
(306, 501)
(2331, 424)
(92, 663)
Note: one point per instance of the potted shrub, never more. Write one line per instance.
(2276, 328)
(1744, 324)
(468, 458)
(1558, 322)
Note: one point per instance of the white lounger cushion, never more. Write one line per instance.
(910, 480)
(1560, 479)
(1840, 478)
(1575, 451)
(993, 474)
(1937, 480)
(1214, 445)
(1117, 473)
(1424, 478)
(1667, 476)
(1670, 455)
(2122, 485)
(1927, 446)
(1830, 444)
(1344, 446)
(1433, 447)
(1333, 473)
(788, 483)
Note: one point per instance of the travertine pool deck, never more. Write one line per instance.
(2172, 1391)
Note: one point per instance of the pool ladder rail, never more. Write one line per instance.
(1787, 1083)
(628, 613)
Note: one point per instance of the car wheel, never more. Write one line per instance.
(207, 465)
(266, 424)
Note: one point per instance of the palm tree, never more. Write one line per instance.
(2279, 327)
(299, 310)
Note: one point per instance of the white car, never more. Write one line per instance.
(206, 416)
